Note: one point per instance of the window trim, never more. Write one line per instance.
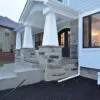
(90, 26)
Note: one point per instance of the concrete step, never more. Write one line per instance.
(7, 78)
(11, 75)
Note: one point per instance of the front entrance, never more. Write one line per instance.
(64, 42)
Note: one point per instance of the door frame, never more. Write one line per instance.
(66, 48)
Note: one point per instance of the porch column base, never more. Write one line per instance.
(28, 55)
(49, 59)
(17, 55)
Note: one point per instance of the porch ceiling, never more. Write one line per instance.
(37, 19)
(34, 15)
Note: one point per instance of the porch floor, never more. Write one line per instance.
(75, 89)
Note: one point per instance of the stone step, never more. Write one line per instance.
(69, 61)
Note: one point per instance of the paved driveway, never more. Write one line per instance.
(76, 89)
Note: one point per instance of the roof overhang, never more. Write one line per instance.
(60, 8)
(26, 10)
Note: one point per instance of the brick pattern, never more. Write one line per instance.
(6, 56)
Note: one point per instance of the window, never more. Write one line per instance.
(38, 40)
(91, 31)
(6, 34)
(0, 47)
(11, 49)
(95, 30)
(62, 39)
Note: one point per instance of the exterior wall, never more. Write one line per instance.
(63, 25)
(73, 25)
(84, 5)
(88, 57)
(74, 39)
(89, 73)
(6, 42)
(6, 57)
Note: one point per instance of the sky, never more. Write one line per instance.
(12, 8)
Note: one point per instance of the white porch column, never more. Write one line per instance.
(18, 44)
(28, 47)
(50, 52)
(27, 40)
(50, 37)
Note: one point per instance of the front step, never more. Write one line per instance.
(12, 74)
(29, 74)
(7, 78)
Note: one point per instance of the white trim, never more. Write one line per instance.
(90, 12)
(18, 41)
(61, 9)
(68, 78)
(28, 40)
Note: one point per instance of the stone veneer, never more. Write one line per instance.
(55, 67)
(17, 53)
(28, 55)
(74, 39)
(89, 73)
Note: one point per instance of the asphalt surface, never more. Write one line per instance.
(75, 89)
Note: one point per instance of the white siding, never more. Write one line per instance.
(88, 57)
(85, 5)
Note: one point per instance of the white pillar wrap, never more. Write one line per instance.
(50, 37)
(18, 41)
(28, 40)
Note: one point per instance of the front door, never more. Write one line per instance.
(64, 41)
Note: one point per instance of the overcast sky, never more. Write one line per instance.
(12, 8)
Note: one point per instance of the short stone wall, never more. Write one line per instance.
(7, 57)
(55, 67)
(89, 73)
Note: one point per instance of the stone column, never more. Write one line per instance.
(50, 52)
(28, 48)
(18, 45)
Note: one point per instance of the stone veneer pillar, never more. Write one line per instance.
(18, 45)
(28, 48)
(50, 52)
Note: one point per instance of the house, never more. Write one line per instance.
(62, 37)
(7, 39)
